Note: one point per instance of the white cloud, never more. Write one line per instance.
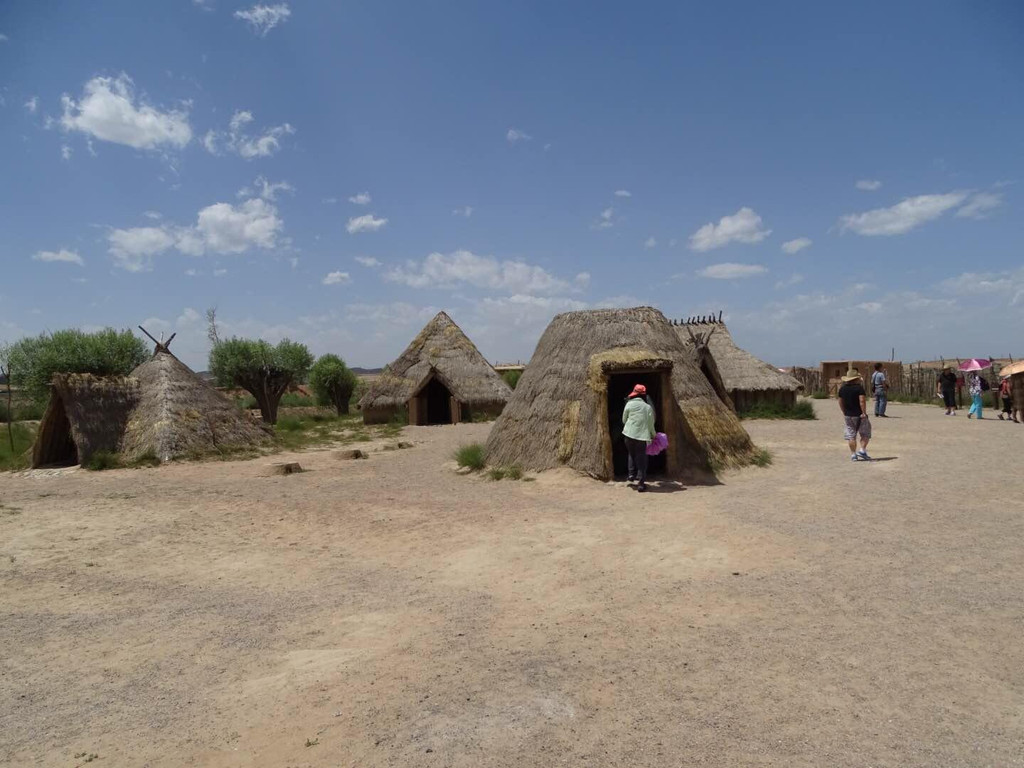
(440, 270)
(3, 38)
(514, 135)
(336, 278)
(237, 139)
(219, 272)
(868, 185)
(108, 110)
(606, 219)
(368, 261)
(294, 261)
(263, 18)
(191, 272)
(65, 152)
(366, 223)
(1009, 285)
(906, 215)
(187, 317)
(466, 211)
(650, 242)
(623, 193)
(221, 228)
(70, 257)
(730, 271)
(363, 198)
(793, 279)
(329, 200)
(32, 105)
(155, 215)
(794, 246)
(744, 226)
(981, 205)
(266, 189)
(870, 306)
(206, 5)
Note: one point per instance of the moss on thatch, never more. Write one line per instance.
(443, 351)
(746, 379)
(162, 409)
(558, 414)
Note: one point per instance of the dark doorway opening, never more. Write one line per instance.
(619, 387)
(56, 446)
(438, 401)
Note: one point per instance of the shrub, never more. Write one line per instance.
(148, 459)
(762, 457)
(514, 473)
(802, 410)
(289, 424)
(263, 370)
(400, 418)
(102, 460)
(358, 391)
(496, 473)
(34, 360)
(820, 394)
(296, 400)
(471, 456)
(512, 377)
(333, 382)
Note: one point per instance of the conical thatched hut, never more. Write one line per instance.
(567, 407)
(740, 379)
(441, 378)
(161, 409)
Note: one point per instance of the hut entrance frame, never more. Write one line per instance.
(618, 384)
(55, 446)
(433, 403)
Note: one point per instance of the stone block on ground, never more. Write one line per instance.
(350, 454)
(284, 468)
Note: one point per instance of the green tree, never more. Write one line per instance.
(333, 382)
(35, 359)
(5, 373)
(261, 369)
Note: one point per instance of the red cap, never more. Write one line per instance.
(638, 390)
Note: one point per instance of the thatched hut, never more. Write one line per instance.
(161, 409)
(567, 408)
(441, 378)
(740, 379)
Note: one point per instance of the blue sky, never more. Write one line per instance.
(838, 179)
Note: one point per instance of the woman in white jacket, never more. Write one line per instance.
(638, 431)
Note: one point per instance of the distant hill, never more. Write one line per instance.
(367, 371)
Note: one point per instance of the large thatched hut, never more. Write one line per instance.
(741, 380)
(567, 407)
(441, 378)
(162, 409)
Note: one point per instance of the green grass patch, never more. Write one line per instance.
(762, 457)
(148, 459)
(19, 458)
(512, 377)
(496, 473)
(819, 394)
(505, 473)
(514, 473)
(295, 400)
(802, 410)
(472, 456)
(21, 410)
(103, 460)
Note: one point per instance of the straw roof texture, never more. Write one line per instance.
(739, 369)
(441, 349)
(89, 410)
(161, 408)
(178, 414)
(558, 414)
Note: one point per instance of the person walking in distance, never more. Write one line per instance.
(946, 389)
(975, 389)
(1006, 395)
(638, 431)
(880, 389)
(853, 404)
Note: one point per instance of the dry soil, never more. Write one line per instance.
(389, 612)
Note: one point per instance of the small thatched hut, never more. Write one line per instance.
(567, 408)
(740, 379)
(161, 409)
(441, 378)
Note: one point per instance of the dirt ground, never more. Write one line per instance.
(389, 612)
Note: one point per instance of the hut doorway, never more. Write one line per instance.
(434, 404)
(620, 384)
(55, 447)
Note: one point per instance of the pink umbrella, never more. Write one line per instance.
(975, 364)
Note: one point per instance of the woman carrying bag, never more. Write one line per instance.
(638, 431)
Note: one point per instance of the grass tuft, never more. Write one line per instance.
(18, 458)
(762, 457)
(514, 472)
(819, 394)
(471, 456)
(803, 410)
(102, 460)
(148, 459)
(496, 473)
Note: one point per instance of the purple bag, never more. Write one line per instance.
(658, 444)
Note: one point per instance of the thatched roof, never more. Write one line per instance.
(443, 350)
(179, 414)
(740, 370)
(558, 414)
(161, 408)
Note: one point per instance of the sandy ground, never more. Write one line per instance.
(392, 613)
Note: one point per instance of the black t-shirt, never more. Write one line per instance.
(850, 394)
(947, 380)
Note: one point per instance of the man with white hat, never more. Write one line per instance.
(853, 404)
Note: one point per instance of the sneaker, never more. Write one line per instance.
(1000, 417)
(854, 457)
(642, 488)
(863, 456)
(630, 479)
